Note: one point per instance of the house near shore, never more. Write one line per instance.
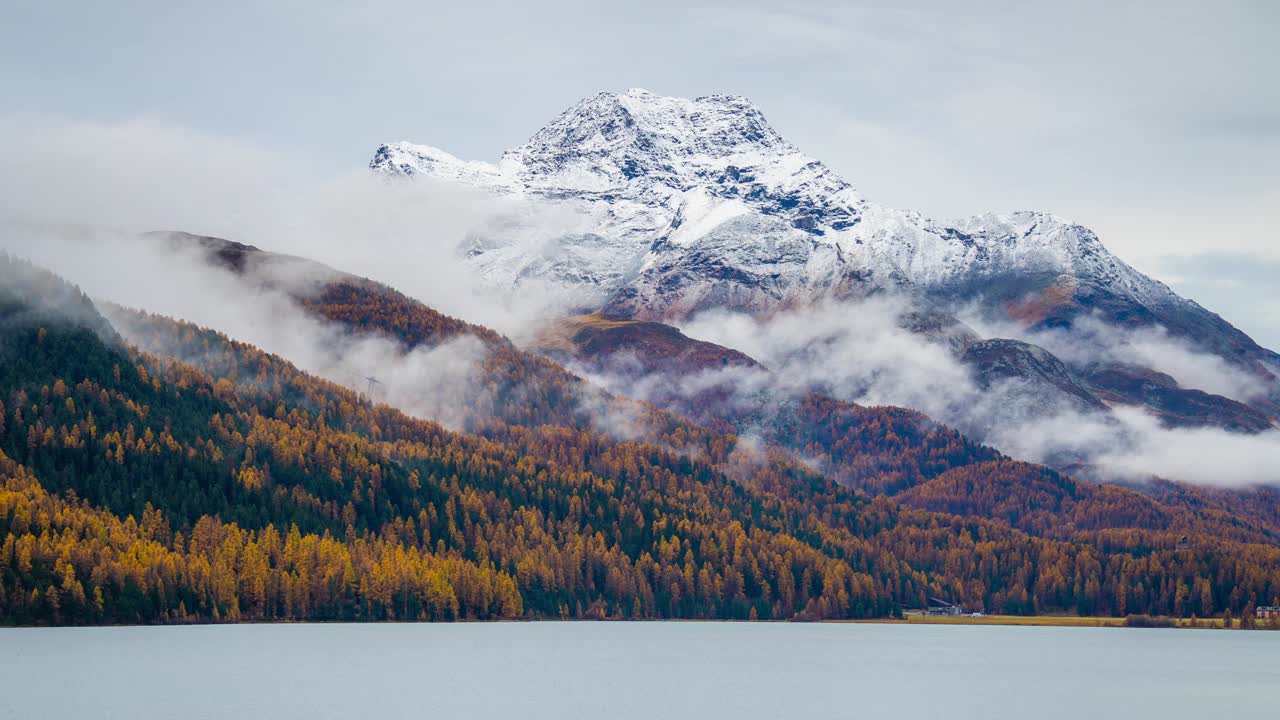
(938, 606)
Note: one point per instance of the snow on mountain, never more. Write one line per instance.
(689, 204)
(666, 207)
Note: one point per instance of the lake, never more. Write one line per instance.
(637, 670)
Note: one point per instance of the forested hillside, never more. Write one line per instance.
(137, 488)
(881, 450)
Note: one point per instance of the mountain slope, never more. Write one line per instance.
(879, 449)
(399, 518)
(425, 514)
(693, 205)
(710, 391)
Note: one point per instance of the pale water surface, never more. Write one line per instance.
(637, 670)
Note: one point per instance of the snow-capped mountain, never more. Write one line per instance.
(637, 147)
(701, 202)
(687, 205)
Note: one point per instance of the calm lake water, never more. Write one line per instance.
(637, 670)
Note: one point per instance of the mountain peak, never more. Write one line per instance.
(654, 151)
(676, 142)
(708, 180)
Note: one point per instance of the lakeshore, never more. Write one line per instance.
(1047, 621)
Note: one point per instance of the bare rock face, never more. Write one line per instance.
(1174, 405)
(1033, 370)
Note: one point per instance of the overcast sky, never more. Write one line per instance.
(1157, 124)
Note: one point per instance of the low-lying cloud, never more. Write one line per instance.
(259, 308)
(75, 197)
(1204, 456)
(1090, 340)
(138, 176)
(859, 352)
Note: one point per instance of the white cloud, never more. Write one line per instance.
(74, 196)
(1090, 341)
(144, 175)
(1204, 456)
(440, 383)
(856, 351)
